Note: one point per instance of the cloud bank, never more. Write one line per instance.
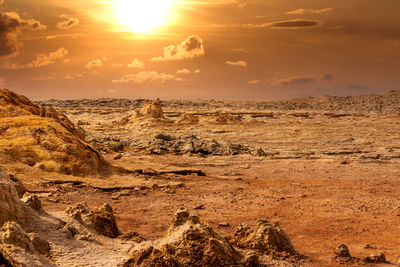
(147, 77)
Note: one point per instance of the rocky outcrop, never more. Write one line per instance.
(164, 144)
(101, 220)
(265, 237)
(151, 110)
(188, 242)
(11, 208)
(42, 138)
(17, 248)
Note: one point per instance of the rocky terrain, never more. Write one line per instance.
(387, 103)
(303, 182)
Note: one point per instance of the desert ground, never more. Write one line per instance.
(327, 169)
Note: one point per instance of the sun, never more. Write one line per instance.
(142, 16)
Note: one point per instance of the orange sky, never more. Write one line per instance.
(221, 49)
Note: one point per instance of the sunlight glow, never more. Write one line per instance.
(142, 16)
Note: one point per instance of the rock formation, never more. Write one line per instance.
(151, 110)
(101, 220)
(43, 138)
(188, 242)
(18, 248)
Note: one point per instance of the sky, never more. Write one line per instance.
(211, 49)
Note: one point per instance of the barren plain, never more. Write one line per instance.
(327, 169)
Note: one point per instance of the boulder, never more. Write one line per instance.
(33, 202)
(101, 220)
(376, 258)
(39, 244)
(342, 251)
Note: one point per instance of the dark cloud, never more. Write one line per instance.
(328, 77)
(298, 23)
(67, 22)
(287, 24)
(358, 87)
(302, 80)
(10, 27)
(190, 48)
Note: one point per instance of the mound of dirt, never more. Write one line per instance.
(266, 238)
(151, 110)
(191, 243)
(43, 138)
(101, 220)
(188, 243)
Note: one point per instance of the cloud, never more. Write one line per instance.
(146, 77)
(11, 25)
(117, 65)
(188, 49)
(73, 77)
(30, 24)
(67, 23)
(44, 60)
(254, 81)
(186, 71)
(303, 11)
(96, 63)
(41, 60)
(302, 80)
(358, 87)
(239, 63)
(328, 77)
(136, 64)
(287, 24)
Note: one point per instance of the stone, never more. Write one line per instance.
(376, 258)
(164, 137)
(19, 186)
(39, 244)
(12, 233)
(101, 220)
(33, 202)
(342, 251)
